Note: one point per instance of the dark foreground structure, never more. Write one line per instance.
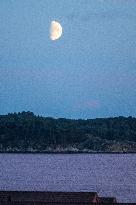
(43, 198)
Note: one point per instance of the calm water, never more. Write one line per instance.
(109, 174)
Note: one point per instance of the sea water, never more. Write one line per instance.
(111, 175)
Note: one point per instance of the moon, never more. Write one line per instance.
(55, 30)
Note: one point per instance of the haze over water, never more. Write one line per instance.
(108, 174)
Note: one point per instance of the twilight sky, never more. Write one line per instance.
(89, 72)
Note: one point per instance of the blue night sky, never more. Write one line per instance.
(89, 72)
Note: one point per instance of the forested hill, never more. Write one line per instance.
(25, 132)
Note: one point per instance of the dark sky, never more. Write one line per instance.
(89, 72)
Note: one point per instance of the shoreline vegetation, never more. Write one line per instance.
(27, 133)
(53, 152)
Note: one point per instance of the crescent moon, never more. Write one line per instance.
(55, 30)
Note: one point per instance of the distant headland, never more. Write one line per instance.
(27, 133)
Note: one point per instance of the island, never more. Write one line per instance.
(24, 132)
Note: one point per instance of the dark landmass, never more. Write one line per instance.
(26, 132)
(54, 198)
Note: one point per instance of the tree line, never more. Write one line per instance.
(25, 131)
